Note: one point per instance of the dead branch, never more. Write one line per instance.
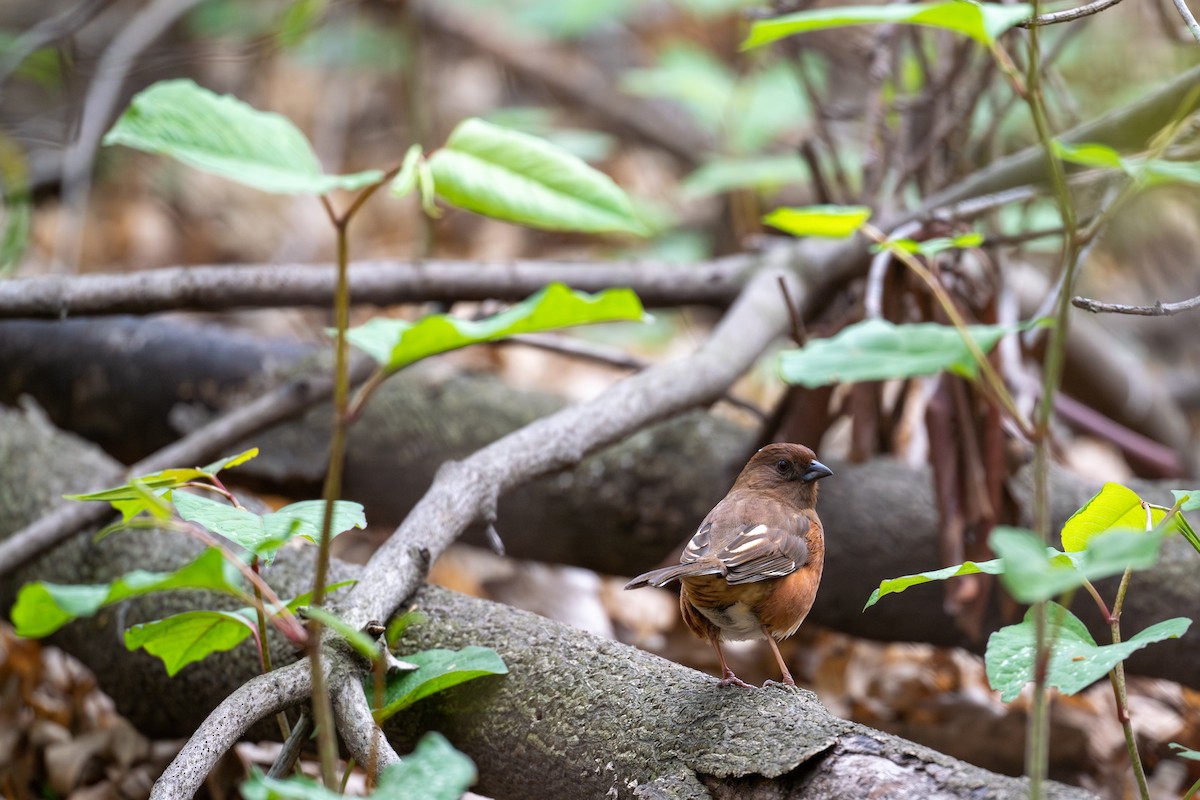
(218, 288)
(1159, 309)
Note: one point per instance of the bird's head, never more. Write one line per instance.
(790, 469)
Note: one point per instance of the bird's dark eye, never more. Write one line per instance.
(783, 466)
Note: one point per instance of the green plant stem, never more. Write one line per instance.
(321, 705)
(1037, 742)
(1192, 791)
(1117, 676)
(264, 650)
(284, 620)
(332, 490)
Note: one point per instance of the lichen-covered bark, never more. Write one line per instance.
(576, 717)
(587, 718)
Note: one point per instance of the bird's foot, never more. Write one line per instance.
(787, 681)
(729, 679)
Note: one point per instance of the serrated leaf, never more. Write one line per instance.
(826, 222)
(396, 343)
(765, 173)
(983, 22)
(437, 670)
(181, 639)
(222, 135)
(1031, 572)
(1114, 506)
(42, 608)
(875, 350)
(264, 534)
(520, 178)
(1076, 661)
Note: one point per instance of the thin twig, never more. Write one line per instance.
(1188, 19)
(1159, 309)
(1069, 14)
(799, 335)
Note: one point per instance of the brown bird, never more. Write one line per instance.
(753, 566)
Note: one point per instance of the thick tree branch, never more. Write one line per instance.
(580, 716)
(256, 699)
(366, 742)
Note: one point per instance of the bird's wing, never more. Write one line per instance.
(753, 540)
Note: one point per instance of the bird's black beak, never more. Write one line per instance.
(816, 470)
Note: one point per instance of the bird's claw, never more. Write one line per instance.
(733, 680)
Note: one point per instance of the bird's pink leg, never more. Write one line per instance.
(727, 676)
(787, 676)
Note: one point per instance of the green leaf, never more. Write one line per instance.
(765, 173)
(875, 350)
(1190, 498)
(360, 641)
(180, 639)
(142, 493)
(1076, 661)
(513, 176)
(932, 247)
(766, 104)
(1161, 171)
(1149, 171)
(229, 462)
(42, 608)
(1185, 752)
(222, 135)
(1114, 506)
(828, 222)
(427, 189)
(1032, 572)
(433, 771)
(897, 585)
(294, 787)
(437, 671)
(398, 625)
(396, 343)
(982, 22)
(691, 76)
(406, 179)
(1089, 154)
(264, 534)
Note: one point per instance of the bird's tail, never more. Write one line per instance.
(661, 577)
